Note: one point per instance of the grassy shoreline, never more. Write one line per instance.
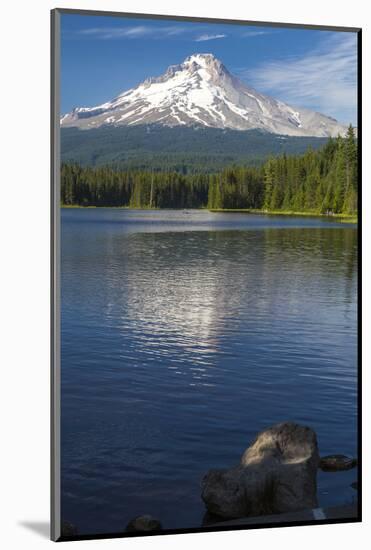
(345, 218)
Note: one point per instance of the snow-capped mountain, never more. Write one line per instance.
(201, 91)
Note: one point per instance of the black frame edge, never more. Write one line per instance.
(133, 15)
(213, 529)
(55, 519)
(359, 281)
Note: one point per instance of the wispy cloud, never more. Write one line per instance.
(206, 37)
(158, 32)
(249, 34)
(325, 79)
(138, 31)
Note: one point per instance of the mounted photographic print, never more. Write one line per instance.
(205, 211)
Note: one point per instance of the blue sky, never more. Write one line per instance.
(103, 56)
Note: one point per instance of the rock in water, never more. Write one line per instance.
(276, 474)
(143, 524)
(337, 463)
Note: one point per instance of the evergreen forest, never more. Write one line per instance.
(318, 181)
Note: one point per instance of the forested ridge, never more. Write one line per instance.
(183, 149)
(322, 181)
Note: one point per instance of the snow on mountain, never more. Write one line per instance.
(201, 91)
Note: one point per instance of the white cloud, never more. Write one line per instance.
(247, 34)
(325, 79)
(108, 33)
(206, 37)
(146, 31)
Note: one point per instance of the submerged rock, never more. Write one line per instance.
(337, 463)
(142, 524)
(68, 529)
(276, 474)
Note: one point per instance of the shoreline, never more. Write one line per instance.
(343, 218)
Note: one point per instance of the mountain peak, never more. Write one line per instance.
(200, 91)
(202, 59)
(206, 61)
(206, 56)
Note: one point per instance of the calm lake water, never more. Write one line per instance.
(183, 335)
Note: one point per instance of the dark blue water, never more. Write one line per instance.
(183, 335)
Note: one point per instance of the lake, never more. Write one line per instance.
(184, 333)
